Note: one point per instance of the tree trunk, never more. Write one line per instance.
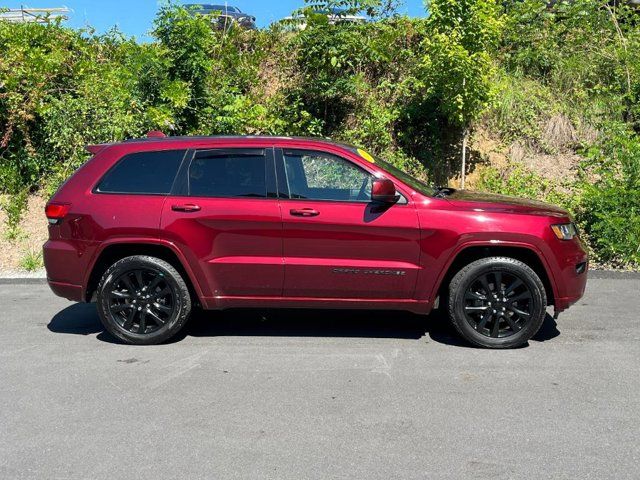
(463, 170)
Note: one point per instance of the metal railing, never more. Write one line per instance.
(39, 15)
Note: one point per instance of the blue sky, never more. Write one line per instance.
(135, 17)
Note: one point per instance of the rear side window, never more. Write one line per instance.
(228, 175)
(143, 173)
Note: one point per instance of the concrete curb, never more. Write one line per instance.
(614, 275)
(23, 281)
(593, 274)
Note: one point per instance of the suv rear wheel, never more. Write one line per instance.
(497, 302)
(143, 300)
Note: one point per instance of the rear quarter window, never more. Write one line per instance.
(149, 173)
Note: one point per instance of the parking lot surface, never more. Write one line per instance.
(312, 394)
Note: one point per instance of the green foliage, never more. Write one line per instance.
(610, 210)
(13, 206)
(457, 64)
(32, 261)
(519, 181)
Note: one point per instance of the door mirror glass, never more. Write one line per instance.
(384, 191)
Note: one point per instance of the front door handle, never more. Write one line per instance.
(187, 207)
(304, 212)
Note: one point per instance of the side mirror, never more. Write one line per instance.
(384, 191)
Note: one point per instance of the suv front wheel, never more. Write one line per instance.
(143, 300)
(497, 302)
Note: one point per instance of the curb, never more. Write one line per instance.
(23, 281)
(614, 275)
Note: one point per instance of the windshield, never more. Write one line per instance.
(417, 185)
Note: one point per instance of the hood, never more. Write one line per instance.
(504, 203)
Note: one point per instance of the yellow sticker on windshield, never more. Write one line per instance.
(366, 156)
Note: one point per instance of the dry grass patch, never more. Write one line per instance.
(24, 251)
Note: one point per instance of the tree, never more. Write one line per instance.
(457, 63)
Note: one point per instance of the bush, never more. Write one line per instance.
(610, 208)
(14, 205)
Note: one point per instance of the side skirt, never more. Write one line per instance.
(222, 302)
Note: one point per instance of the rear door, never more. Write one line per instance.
(337, 243)
(225, 216)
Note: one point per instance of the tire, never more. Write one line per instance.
(143, 300)
(497, 302)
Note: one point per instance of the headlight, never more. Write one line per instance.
(566, 231)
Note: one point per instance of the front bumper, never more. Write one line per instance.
(571, 280)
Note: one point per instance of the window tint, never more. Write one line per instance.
(322, 176)
(143, 172)
(228, 176)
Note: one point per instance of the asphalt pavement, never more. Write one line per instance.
(319, 395)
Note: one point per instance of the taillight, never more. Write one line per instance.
(56, 212)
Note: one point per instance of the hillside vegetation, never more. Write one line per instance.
(546, 98)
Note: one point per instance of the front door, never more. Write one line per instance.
(226, 218)
(337, 243)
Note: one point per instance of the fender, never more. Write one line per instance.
(495, 243)
(143, 241)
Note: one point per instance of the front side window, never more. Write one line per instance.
(228, 175)
(323, 176)
(143, 173)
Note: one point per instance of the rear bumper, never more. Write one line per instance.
(67, 290)
(65, 264)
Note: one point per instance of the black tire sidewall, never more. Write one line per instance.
(467, 275)
(175, 281)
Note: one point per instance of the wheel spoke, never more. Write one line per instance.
(166, 290)
(128, 323)
(516, 283)
(143, 322)
(522, 296)
(498, 285)
(471, 295)
(485, 318)
(162, 308)
(511, 323)
(476, 309)
(485, 284)
(119, 295)
(138, 274)
(155, 282)
(520, 313)
(496, 327)
(155, 316)
(127, 282)
(121, 307)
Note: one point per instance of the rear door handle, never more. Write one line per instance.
(304, 212)
(187, 207)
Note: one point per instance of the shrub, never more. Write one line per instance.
(14, 205)
(610, 208)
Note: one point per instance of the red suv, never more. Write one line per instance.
(151, 227)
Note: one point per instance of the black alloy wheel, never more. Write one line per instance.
(143, 300)
(497, 302)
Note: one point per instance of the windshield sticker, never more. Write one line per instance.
(366, 156)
